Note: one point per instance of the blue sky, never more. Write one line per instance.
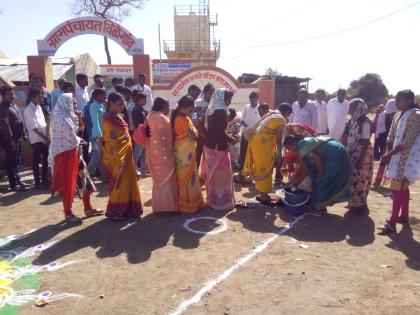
(389, 47)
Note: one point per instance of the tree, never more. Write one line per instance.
(369, 87)
(115, 10)
(272, 72)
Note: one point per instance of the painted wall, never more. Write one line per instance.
(200, 76)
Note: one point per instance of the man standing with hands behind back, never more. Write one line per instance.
(12, 133)
(337, 110)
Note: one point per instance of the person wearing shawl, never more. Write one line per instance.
(64, 159)
(403, 158)
(326, 162)
(124, 196)
(356, 138)
(160, 158)
(190, 197)
(265, 140)
(218, 170)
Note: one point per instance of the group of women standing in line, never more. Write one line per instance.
(172, 156)
(338, 171)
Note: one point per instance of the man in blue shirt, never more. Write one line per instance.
(57, 92)
(94, 113)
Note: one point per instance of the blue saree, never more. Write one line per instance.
(334, 186)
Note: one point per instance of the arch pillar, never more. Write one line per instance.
(267, 90)
(42, 67)
(143, 64)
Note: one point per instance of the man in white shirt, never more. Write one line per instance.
(321, 109)
(37, 131)
(145, 89)
(250, 116)
(81, 93)
(98, 83)
(304, 110)
(337, 111)
(200, 109)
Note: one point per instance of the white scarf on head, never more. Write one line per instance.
(217, 101)
(63, 129)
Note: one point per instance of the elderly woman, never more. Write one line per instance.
(69, 169)
(356, 138)
(326, 161)
(265, 140)
(219, 180)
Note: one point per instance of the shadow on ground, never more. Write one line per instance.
(136, 239)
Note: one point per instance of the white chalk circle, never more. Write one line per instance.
(220, 229)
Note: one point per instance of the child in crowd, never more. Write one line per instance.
(128, 100)
(233, 130)
(137, 117)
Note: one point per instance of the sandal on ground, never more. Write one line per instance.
(93, 212)
(263, 200)
(241, 204)
(72, 219)
(387, 228)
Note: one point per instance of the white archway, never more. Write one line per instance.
(90, 25)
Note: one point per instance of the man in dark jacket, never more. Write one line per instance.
(12, 133)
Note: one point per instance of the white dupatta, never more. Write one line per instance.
(412, 166)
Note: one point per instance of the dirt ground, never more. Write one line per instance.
(152, 265)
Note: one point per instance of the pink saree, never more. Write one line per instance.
(219, 180)
(161, 163)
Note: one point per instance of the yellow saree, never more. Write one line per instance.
(124, 196)
(259, 161)
(190, 197)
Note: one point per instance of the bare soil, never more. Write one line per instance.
(151, 265)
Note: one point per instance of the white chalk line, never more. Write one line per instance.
(239, 263)
(221, 229)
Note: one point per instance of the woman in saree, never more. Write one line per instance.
(218, 170)
(326, 162)
(190, 197)
(403, 158)
(356, 138)
(160, 158)
(68, 168)
(265, 141)
(124, 197)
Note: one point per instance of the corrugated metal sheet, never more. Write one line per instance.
(20, 72)
(16, 69)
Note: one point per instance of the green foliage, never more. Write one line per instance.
(369, 87)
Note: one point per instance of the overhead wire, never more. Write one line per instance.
(283, 18)
(331, 34)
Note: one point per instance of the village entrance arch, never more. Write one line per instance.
(41, 64)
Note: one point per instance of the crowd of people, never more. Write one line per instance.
(123, 134)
